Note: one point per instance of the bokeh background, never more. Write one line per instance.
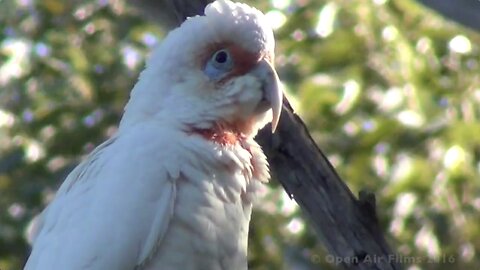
(389, 89)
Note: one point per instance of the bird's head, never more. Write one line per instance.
(213, 75)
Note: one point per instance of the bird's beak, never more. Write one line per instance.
(272, 93)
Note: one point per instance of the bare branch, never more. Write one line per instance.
(465, 12)
(347, 227)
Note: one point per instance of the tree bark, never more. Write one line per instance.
(466, 12)
(347, 227)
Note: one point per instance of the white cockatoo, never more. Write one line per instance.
(173, 188)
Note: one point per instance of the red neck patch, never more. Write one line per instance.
(219, 135)
(222, 137)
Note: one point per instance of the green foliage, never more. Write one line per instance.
(389, 90)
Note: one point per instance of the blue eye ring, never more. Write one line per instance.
(219, 65)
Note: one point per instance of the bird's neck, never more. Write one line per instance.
(225, 134)
(222, 137)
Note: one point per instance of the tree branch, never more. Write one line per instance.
(347, 227)
(465, 12)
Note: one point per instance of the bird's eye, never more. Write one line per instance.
(219, 64)
(221, 57)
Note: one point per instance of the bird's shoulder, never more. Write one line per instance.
(123, 193)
